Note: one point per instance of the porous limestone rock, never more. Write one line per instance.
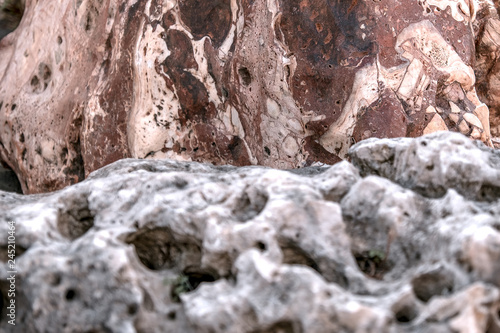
(168, 246)
(280, 83)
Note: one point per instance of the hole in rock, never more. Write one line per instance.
(132, 309)
(437, 282)
(406, 313)
(54, 279)
(157, 248)
(46, 72)
(35, 81)
(9, 182)
(261, 246)
(172, 315)
(294, 255)
(373, 263)
(282, 327)
(489, 193)
(11, 13)
(70, 294)
(245, 76)
(250, 204)
(189, 280)
(88, 23)
(75, 218)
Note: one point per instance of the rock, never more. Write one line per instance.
(277, 83)
(170, 246)
(432, 164)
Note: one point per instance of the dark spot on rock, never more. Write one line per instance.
(434, 283)
(13, 107)
(216, 22)
(285, 326)
(249, 204)
(267, 150)
(406, 313)
(236, 147)
(373, 263)
(70, 294)
(132, 309)
(294, 255)
(75, 217)
(245, 76)
(172, 315)
(34, 81)
(158, 248)
(261, 245)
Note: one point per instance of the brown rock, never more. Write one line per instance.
(277, 83)
(487, 66)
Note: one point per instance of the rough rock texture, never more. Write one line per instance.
(487, 68)
(270, 82)
(166, 246)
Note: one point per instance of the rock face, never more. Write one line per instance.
(166, 246)
(275, 83)
(487, 68)
(9, 181)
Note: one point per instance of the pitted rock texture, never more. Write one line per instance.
(265, 82)
(168, 246)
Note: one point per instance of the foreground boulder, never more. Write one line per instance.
(166, 246)
(280, 83)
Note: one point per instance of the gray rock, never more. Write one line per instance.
(432, 164)
(166, 246)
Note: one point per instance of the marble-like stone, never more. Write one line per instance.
(169, 246)
(277, 83)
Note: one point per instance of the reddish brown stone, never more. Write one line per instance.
(277, 83)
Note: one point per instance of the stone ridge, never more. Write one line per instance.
(385, 244)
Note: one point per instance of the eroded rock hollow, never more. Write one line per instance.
(168, 246)
(275, 83)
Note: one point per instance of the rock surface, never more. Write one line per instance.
(280, 83)
(9, 181)
(168, 246)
